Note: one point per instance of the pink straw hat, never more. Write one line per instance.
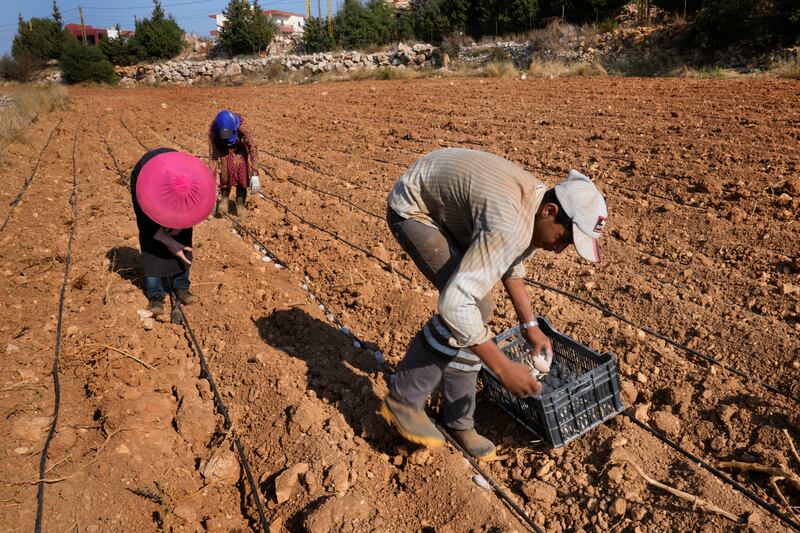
(176, 190)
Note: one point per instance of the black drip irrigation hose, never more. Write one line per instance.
(664, 338)
(755, 498)
(224, 411)
(497, 488)
(358, 343)
(17, 199)
(73, 202)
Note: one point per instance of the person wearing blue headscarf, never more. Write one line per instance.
(233, 154)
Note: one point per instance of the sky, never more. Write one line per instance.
(191, 15)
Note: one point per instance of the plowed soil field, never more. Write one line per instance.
(703, 188)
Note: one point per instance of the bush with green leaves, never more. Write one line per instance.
(159, 36)
(358, 26)
(40, 38)
(581, 10)
(720, 22)
(316, 37)
(247, 29)
(81, 63)
(122, 49)
(21, 68)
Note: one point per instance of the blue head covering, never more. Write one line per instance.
(226, 127)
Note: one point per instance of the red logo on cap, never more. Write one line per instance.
(601, 223)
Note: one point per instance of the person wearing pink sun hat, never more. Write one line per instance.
(171, 193)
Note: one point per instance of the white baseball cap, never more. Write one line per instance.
(585, 206)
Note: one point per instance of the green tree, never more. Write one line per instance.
(262, 29)
(40, 38)
(247, 29)
(315, 36)
(121, 50)
(720, 22)
(86, 63)
(357, 26)
(159, 37)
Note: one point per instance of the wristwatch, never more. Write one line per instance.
(530, 324)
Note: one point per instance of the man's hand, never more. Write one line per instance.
(539, 341)
(517, 378)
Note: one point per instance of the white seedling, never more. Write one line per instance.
(356, 344)
(266, 259)
(378, 357)
(277, 266)
(345, 330)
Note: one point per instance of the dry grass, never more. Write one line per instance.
(786, 69)
(717, 73)
(540, 68)
(28, 104)
(497, 69)
(385, 73)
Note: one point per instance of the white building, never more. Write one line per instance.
(288, 23)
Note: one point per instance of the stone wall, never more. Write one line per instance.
(191, 72)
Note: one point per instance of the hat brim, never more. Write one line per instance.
(156, 194)
(588, 247)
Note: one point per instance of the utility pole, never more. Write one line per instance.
(319, 10)
(330, 20)
(308, 9)
(83, 28)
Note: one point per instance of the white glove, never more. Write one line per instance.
(255, 184)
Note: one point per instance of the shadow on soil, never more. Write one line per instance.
(127, 263)
(337, 372)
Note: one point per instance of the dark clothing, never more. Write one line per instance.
(154, 286)
(157, 260)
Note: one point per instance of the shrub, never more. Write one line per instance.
(786, 69)
(86, 63)
(315, 36)
(247, 30)
(159, 37)
(720, 22)
(21, 68)
(357, 26)
(122, 50)
(499, 70)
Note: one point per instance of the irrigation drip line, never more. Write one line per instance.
(17, 199)
(664, 338)
(73, 202)
(360, 344)
(718, 473)
(294, 180)
(497, 488)
(224, 411)
(337, 237)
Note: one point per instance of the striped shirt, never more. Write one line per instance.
(487, 205)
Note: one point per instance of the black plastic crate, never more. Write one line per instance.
(564, 414)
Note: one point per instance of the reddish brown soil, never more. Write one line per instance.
(702, 247)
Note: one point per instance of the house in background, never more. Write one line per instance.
(287, 22)
(93, 35)
(220, 20)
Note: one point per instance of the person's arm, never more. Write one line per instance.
(478, 271)
(172, 245)
(515, 288)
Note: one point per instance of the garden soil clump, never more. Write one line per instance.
(699, 178)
